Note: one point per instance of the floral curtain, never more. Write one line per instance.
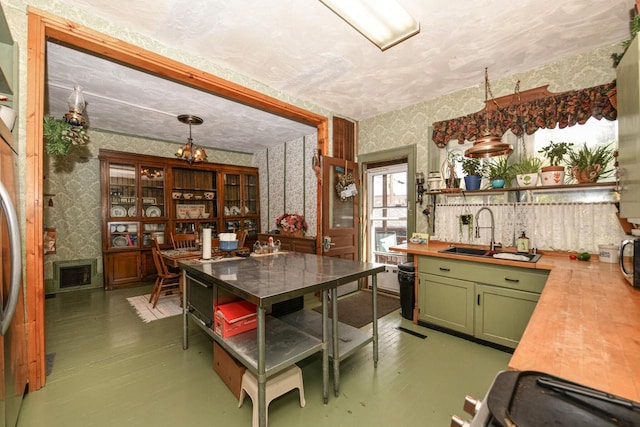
(565, 109)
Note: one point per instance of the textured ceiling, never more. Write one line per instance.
(303, 49)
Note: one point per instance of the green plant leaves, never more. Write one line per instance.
(60, 136)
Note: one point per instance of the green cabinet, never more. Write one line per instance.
(490, 302)
(446, 302)
(502, 314)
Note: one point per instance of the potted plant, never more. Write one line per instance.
(590, 164)
(526, 171)
(499, 172)
(555, 153)
(473, 170)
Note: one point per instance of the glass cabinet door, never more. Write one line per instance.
(250, 195)
(152, 189)
(251, 225)
(153, 231)
(123, 235)
(122, 190)
(232, 196)
(231, 226)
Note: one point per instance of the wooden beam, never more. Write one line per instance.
(90, 40)
(34, 202)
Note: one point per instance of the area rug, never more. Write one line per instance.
(166, 307)
(356, 309)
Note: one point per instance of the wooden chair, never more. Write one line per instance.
(241, 236)
(167, 284)
(183, 241)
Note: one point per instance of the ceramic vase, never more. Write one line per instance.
(472, 182)
(497, 183)
(527, 179)
(552, 175)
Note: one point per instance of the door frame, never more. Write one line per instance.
(43, 26)
(410, 152)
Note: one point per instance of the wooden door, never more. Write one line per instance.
(340, 220)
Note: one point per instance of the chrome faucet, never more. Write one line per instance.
(492, 243)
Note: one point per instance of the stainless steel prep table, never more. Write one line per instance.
(265, 280)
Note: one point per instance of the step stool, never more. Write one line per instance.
(276, 386)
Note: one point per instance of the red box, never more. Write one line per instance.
(234, 318)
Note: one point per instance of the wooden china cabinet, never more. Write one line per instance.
(145, 197)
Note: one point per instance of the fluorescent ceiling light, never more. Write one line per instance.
(383, 22)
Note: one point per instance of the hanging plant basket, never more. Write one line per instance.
(60, 136)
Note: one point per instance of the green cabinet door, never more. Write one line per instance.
(628, 94)
(501, 314)
(446, 302)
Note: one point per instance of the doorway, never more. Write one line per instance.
(46, 26)
(387, 214)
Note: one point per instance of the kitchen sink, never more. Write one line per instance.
(485, 253)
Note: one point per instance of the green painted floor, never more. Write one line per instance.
(111, 369)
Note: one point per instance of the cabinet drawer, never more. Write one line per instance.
(524, 279)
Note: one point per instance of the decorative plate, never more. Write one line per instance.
(235, 210)
(121, 228)
(120, 241)
(118, 211)
(132, 211)
(153, 211)
(226, 211)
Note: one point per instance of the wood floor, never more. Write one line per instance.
(111, 369)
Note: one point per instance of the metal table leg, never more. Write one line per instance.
(374, 296)
(262, 378)
(336, 341)
(325, 345)
(185, 311)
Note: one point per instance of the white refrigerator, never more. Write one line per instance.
(13, 328)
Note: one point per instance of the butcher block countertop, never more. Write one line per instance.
(586, 325)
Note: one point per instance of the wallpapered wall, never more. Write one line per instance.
(288, 182)
(75, 181)
(411, 125)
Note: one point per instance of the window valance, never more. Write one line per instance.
(566, 109)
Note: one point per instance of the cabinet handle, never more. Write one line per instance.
(478, 298)
(444, 269)
(512, 280)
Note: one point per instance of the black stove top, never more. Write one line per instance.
(528, 399)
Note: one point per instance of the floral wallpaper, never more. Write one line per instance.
(287, 182)
(412, 125)
(75, 181)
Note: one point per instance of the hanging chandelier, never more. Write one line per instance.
(488, 145)
(190, 152)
